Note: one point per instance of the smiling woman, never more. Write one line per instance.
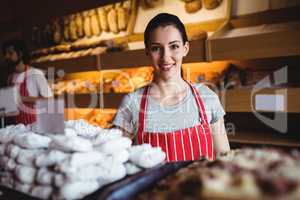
(184, 119)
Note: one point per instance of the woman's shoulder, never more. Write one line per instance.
(204, 90)
(133, 98)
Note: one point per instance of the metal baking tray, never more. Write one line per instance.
(123, 189)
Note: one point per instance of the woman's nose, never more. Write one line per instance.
(165, 53)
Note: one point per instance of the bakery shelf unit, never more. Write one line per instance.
(268, 36)
(85, 63)
(264, 100)
(111, 61)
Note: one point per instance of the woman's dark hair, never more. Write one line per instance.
(19, 46)
(164, 19)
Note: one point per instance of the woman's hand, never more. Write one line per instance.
(219, 135)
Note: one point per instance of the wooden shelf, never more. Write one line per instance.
(138, 58)
(235, 100)
(112, 100)
(85, 63)
(91, 100)
(260, 41)
(242, 100)
(263, 138)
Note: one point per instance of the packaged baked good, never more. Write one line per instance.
(87, 24)
(112, 19)
(102, 16)
(79, 25)
(193, 6)
(146, 4)
(95, 25)
(66, 29)
(211, 4)
(73, 28)
(122, 14)
(57, 31)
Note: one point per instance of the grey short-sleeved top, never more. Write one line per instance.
(168, 118)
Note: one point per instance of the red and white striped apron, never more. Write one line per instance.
(26, 110)
(180, 145)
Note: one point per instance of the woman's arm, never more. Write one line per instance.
(32, 99)
(220, 139)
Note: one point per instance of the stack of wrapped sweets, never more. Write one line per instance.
(72, 164)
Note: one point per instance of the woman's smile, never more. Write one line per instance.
(166, 66)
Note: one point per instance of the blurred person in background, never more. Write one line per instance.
(31, 82)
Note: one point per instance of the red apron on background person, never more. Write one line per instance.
(26, 110)
(180, 145)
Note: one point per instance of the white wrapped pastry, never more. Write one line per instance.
(112, 146)
(106, 135)
(11, 165)
(70, 132)
(111, 172)
(71, 144)
(77, 190)
(146, 156)
(45, 176)
(50, 158)
(12, 150)
(41, 191)
(132, 168)
(59, 180)
(27, 157)
(22, 187)
(32, 140)
(120, 156)
(2, 149)
(7, 179)
(7, 137)
(83, 128)
(78, 160)
(3, 162)
(85, 173)
(25, 174)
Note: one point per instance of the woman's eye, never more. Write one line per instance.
(174, 46)
(154, 49)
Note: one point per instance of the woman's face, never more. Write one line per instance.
(166, 51)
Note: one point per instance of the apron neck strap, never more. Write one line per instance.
(143, 107)
(144, 100)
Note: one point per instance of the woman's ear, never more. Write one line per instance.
(186, 47)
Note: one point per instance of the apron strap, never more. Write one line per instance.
(144, 100)
(200, 104)
(143, 109)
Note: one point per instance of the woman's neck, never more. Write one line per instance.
(170, 86)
